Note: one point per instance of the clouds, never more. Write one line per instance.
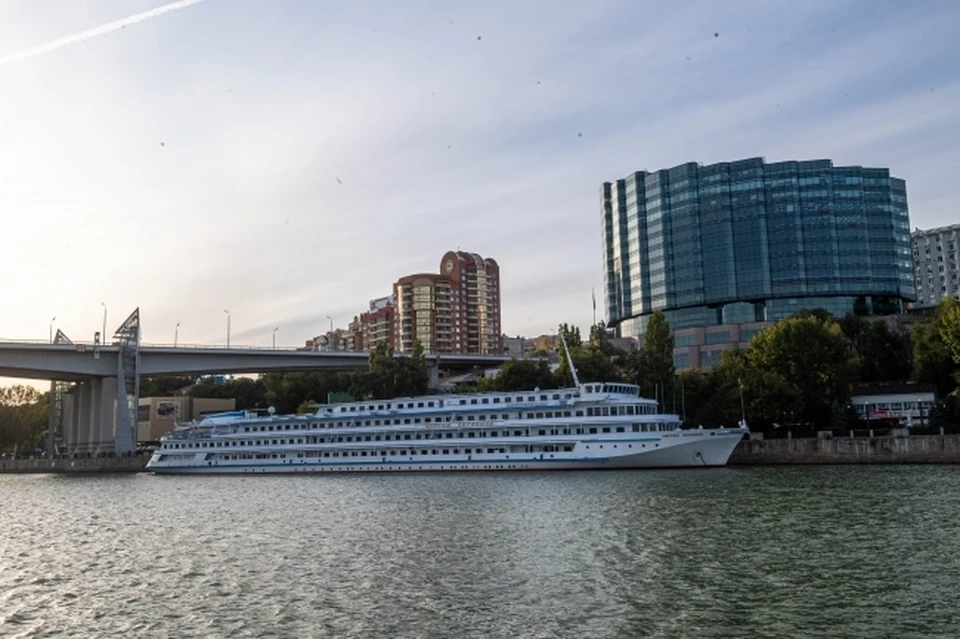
(292, 164)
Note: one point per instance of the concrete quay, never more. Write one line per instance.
(132, 464)
(913, 449)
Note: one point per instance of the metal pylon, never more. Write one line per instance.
(57, 391)
(127, 338)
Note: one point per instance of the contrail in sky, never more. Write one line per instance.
(53, 45)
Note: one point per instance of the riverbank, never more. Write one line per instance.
(85, 465)
(913, 449)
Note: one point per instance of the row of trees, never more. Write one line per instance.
(802, 370)
(23, 418)
(386, 377)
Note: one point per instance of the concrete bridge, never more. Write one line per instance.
(94, 393)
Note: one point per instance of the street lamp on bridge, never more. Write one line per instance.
(52, 320)
(228, 327)
(176, 334)
(275, 338)
(103, 335)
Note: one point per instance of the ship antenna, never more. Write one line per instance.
(573, 369)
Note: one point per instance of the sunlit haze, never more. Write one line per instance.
(289, 161)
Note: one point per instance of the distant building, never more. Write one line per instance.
(514, 346)
(475, 302)
(157, 415)
(454, 311)
(726, 249)
(375, 326)
(423, 313)
(935, 256)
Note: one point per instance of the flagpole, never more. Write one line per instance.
(593, 294)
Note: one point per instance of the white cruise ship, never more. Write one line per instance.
(591, 426)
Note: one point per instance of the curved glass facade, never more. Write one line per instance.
(746, 241)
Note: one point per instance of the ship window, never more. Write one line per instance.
(367, 438)
(619, 429)
(430, 404)
(541, 432)
(471, 434)
(506, 400)
(446, 451)
(473, 401)
(418, 436)
(406, 421)
(485, 400)
(423, 452)
(363, 453)
(593, 431)
(416, 420)
(520, 399)
(419, 404)
(556, 396)
(579, 413)
(496, 400)
(629, 410)
(386, 437)
(376, 422)
(326, 454)
(406, 436)
(518, 433)
(462, 402)
(470, 418)
(606, 429)
(539, 415)
(246, 429)
(635, 428)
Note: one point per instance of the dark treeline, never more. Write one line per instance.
(799, 372)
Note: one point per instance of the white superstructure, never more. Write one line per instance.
(592, 426)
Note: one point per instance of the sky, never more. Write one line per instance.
(288, 161)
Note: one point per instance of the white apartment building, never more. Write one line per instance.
(935, 256)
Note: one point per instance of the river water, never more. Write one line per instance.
(733, 552)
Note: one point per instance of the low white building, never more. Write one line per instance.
(910, 404)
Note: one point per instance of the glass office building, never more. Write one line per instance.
(725, 249)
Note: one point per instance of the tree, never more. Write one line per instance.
(390, 377)
(23, 417)
(769, 400)
(932, 358)
(884, 355)
(518, 375)
(813, 354)
(571, 334)
(948, 325)
(164, 386)
(658, 354)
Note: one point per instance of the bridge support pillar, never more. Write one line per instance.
(93, 418)
(69, 420)
(81, 408)
(433, 374)
(107, 414)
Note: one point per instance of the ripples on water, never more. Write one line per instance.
(764, 552)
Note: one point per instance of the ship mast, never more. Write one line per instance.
(573, 369)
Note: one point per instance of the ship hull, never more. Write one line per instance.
(691, 449)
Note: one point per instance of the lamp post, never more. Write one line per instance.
(176, 334)
(330, 344)
(275, 338)
(228, 327)
(103, 335)
(52, 320)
